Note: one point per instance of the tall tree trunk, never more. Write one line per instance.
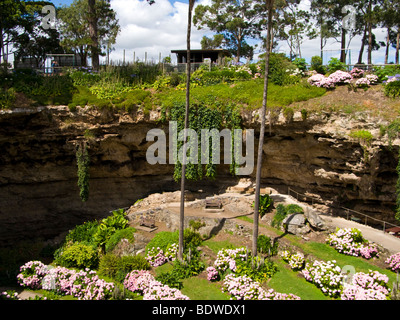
(183, 178)
(343, 46)
(1, 45)
(94, 47)
(369, 44)
(369, 33)
(397, 47)
(387, 45)
(270, 5)
(360, 55)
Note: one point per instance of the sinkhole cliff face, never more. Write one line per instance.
(39, 196)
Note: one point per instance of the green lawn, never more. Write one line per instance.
(288, 281)
(201, 289)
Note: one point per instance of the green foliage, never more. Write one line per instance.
(385, 71)
(78, 255)
(192, 239)
(82, 159)
(392, 131)
(109, 226)
(364, 136)
(118, 267)
(190, 266)
(392, 89)
(316, 64)
(7, 98)
(258, 269)
(334, 64)
(54, 90)
(83, 77)
(204, 113)
(300, 63)
(126, 233)
(282, 211)
(170, 279)
(82, 233)
(278, 64)
(162, 240)
(265, 205)
(289, 114)
(267, 246)
(304, 114)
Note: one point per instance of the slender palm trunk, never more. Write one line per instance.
(270, 4)
(183, 178)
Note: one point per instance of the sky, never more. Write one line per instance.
(161, 27)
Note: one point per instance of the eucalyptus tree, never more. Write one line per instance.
(270, 9)
(183, 174)
(236, 20)
(11, 12)
(77, 35)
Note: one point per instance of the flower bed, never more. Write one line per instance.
(371, 286)
(296, 261)
(156, 256)
(394, 262)
(325, 275)
(83, 284)
(351, 242)
(144, 283)
(244, 288)
(341, 77)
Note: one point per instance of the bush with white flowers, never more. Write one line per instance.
(325, 275)
(366, 286)
(351, 242)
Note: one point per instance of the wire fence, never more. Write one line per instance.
(350, 214)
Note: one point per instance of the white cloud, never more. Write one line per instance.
(152, 29)
(161, 27)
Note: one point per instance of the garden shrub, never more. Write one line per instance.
(316, 64)
(334, 64)
(171, 279)
(326, 276)
(109, 226)
(7, 98)
(265, 205)
(83, 232)
(351, 242)
(392, 86)
(241, 262)
(267, 246)
(127, 233)
(117, 268)
(385, 72)
(282, 211)
(78, 255)
(162, 240)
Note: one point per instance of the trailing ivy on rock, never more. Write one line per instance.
(204, 115)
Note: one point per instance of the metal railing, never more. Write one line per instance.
(346, 210)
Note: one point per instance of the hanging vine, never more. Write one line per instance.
(209, 117)
(82, 159)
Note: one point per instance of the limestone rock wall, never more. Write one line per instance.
(39, 196)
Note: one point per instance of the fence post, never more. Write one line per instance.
(384, 226)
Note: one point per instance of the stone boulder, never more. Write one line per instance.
(314, 219)
(296, 223)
